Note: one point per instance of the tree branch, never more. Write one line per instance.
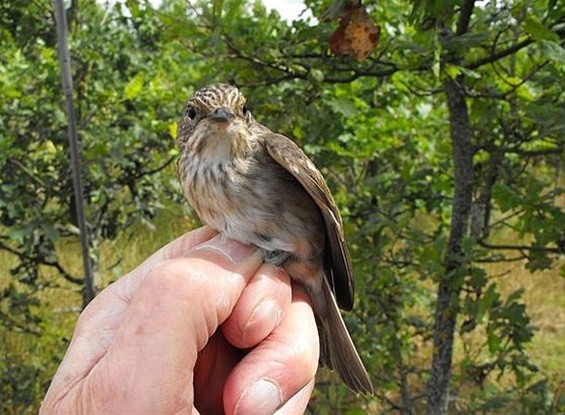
(537, 153)
(513, 87)
(501, 54)
(141, 174)
(61, 270)
(465, 17)
(43, 261)
(497, 260)
(531, 248)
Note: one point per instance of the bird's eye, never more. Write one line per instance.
(190, 112)
(244, 110)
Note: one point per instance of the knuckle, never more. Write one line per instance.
(180, 276)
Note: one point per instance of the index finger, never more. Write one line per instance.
(179, 248)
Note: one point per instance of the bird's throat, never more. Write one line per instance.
(219, 143)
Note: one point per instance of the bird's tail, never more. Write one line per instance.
(337, 350)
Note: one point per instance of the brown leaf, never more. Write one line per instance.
(356, 35)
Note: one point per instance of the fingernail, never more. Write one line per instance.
(234, 251)
(263, 398)
(266, 311)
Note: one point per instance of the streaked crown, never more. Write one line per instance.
(216, 96)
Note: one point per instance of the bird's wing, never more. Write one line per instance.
(291, 157)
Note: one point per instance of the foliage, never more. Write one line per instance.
(125, 136)
(381, 130)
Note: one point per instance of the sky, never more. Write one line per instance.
(288, 9)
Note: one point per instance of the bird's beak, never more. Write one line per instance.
(221, 114)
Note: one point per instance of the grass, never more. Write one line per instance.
(544, 296)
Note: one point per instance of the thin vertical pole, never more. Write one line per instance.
(65, 60)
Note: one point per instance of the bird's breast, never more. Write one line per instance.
(255, 203)
(225, 197)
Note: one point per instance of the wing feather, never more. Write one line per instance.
(291, 157)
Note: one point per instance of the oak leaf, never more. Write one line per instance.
(357, 35)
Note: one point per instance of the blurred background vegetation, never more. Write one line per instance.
(444, 149)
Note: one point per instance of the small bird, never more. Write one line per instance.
(258, 187)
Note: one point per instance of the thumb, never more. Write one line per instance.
(176, 310)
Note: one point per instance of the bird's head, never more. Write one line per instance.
(215, 120)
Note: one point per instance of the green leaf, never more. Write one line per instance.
(344, 106)
(466, 41)
(553, 51)
(506, 197)
(487, 301)
(51, 232)
(172, 127)
(19, 234)
(493, 341)
(134, 86)
(452, 70)
(515, 296)
(316, 75)
(436, 67)
(538, 31)
(551, 117)
(134, 8)
(398, 80)
(470, 73)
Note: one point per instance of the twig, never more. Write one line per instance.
(532, 248)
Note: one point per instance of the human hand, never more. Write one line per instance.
(149, 342)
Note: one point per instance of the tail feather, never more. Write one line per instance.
(337, 350)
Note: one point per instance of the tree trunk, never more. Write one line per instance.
(447, 306)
